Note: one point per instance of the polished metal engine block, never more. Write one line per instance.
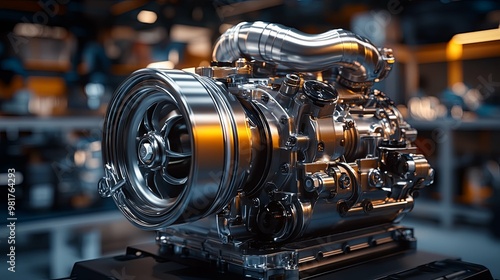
(279, 159)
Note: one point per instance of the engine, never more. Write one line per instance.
(278, 158)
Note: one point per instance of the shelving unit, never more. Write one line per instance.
(62, 226)
(445, 209)
(453, 63)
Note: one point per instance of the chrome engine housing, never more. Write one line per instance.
(278, 158)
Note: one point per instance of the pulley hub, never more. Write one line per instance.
(150, 151)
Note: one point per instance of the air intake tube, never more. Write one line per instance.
(359, 61)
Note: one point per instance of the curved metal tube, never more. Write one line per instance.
(359, 59)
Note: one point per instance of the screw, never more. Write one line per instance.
(344, 181)
(283, 119)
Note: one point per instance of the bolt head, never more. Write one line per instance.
(375, 178)
(146, 153)
(344, 181)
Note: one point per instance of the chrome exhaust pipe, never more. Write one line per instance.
(359, 61)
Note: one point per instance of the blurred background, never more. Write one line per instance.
(60, 61)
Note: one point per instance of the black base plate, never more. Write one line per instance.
(144, 262)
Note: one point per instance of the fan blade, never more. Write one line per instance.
(172, 180)
(170, 122)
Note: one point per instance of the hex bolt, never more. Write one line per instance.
(146, 152)
(283, 119)
(344, 181)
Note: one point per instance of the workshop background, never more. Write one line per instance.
(60, 61)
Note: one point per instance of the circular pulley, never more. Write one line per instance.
(172, 145)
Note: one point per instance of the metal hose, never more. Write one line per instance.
(357, 58)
